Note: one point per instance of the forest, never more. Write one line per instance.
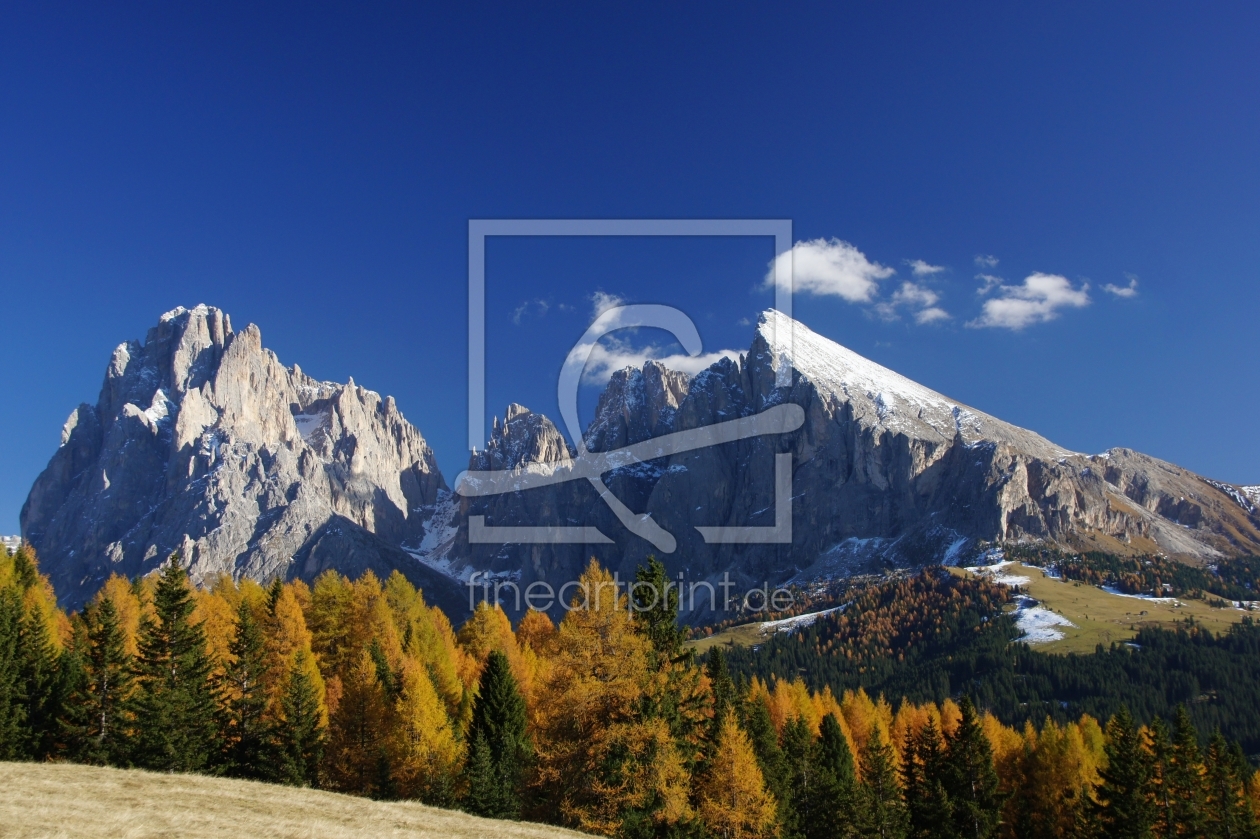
(908, 714)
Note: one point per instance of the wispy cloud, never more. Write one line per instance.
(831, 268)
(536, 308)
(602, 301)
(986, 261)
(1125, 291)
(923, 269)
(917, 297)
(989, 283)
(611, 355)
(1038, 299)
(744, 322)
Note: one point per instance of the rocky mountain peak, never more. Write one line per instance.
(523, 437)
(203, 442)
(637, 404)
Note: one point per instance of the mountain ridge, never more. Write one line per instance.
(202, 442)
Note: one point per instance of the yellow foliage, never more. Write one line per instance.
(537, 632)
(733, 799)
(590, 693)
(650, 772)
(487, 630)
(423, 750)
(217, 616)
(327, 618)
(354, 732)
(119, 591)
(286, 637)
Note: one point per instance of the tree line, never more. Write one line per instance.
(604, 722)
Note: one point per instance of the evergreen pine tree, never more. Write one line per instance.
(500, 744)
(299, 734)
(94, 722)
(38, 673)
(1228, 814)
(1163, 805)
(1187, 786)
(881, 811)
(174, 705)
(832, 808)
(800, 759)
(655, 602)
(970, 779)
(12, 693)
(765, 743)
(245, 731)
(923, 771)
(1123, 807)
(724, 694)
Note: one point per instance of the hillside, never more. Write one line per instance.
(84, 802)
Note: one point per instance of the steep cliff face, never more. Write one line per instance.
(884, 471)
(203, 442)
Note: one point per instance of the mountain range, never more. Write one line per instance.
(202, 442)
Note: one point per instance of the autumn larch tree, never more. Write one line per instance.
(734, 802)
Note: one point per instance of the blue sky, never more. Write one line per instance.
(312, 169)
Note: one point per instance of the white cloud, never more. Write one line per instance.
(924, 269)
(986, 261)
(990, 282)
(611, 355)
(744, 322)
(1040, 298)
(913, 296)
(602, 302)
(1123, 291)
(831, 268)
(539, 308)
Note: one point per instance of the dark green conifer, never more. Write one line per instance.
(1185, 777)
(970, 778)
(830, 810)
(881, 812)
(174, 707)
(500, 746)
(12, 693)
(299, 735)
(800, 760)
(924, 770)
(1228, 813)
(245, 733)
(95, 725)
(37, 670)
(655, 603)
(1123, 805)
(765, 743)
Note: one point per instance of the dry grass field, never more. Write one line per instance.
(77, 802)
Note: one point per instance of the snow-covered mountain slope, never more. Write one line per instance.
(203, 442)
(882, 398)
(885, 471)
